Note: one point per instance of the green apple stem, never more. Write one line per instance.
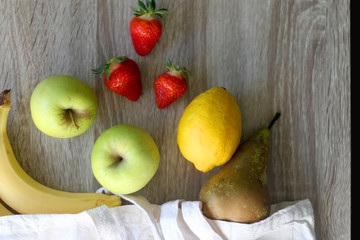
(73, 120)
(117, 161)
(276, 117)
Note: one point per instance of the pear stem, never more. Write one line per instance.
(276, 117)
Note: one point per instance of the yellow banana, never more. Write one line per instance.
(25, 195)
(4, 211)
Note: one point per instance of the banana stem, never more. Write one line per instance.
(5, 98)
(276, 117)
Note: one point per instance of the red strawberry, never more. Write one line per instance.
(145, 29)
(122, 76)
(171, 85)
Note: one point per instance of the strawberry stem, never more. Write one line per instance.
(106, 67)
(148, 8)
(185, 73)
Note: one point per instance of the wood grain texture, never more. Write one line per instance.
(290, 56)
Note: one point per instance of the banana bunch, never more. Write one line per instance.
(25, 195)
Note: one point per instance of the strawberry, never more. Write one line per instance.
(145, 29)
(122, 76)
(171, 85)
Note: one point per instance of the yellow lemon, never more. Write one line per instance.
(209, 129)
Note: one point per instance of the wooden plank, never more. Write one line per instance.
(289, 56)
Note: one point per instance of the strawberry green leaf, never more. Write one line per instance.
(153, 5)
(183, 71)
(106, 67)
(161, 12)
(149, 7)
(186, 74)
(118, 59)
(135, 9)
(168, 63)
(147, 3)
(100, 69)
(142, 6)
(108, 72)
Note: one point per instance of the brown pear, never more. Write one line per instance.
(238, 192)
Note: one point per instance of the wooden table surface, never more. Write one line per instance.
(290, 56)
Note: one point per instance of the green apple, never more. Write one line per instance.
(63, 106)
(124, 159)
